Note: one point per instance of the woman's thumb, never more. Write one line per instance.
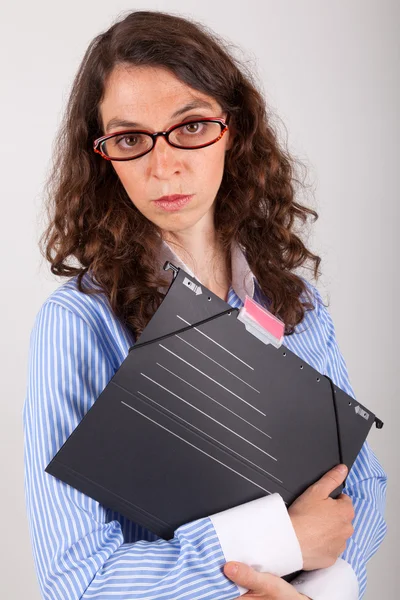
(330, 481)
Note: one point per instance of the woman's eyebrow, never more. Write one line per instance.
(117, 122)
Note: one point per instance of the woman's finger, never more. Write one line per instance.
(247, 577)
(263, 585)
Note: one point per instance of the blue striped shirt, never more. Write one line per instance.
(82, 549)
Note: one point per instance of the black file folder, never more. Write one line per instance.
(202, 416)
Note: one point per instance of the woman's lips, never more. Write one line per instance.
(171, 203)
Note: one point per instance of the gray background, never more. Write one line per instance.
(331, 72)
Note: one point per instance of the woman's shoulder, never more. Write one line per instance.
(312, 295)
(88, 306)
(316, 319)
(90, 314)
(310, 336)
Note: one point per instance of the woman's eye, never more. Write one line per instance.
(193, 127)
(129, 140)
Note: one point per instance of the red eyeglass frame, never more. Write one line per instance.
(165, 134)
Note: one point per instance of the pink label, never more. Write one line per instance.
(263, 317)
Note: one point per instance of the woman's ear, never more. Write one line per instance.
(231, 136)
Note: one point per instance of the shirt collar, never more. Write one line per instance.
(242, 276)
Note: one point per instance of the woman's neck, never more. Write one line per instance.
(205, 257)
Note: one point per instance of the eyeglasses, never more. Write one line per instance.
(189, 135)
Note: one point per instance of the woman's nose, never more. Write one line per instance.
(164, 158)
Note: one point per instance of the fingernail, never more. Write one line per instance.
(342, 468)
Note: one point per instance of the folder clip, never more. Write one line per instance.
(169, 266)
(261, 323)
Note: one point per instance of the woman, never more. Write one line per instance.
(113, 214)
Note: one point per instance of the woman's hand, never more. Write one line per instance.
(322, 524)
(263, 586)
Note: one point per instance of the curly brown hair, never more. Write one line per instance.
(91, 218)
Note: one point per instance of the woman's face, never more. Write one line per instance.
(149, 96)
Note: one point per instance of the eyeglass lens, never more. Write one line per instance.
(189, 135)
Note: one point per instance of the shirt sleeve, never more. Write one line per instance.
(79, 550)
(366, 486)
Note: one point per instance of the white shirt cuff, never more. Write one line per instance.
(259, 533)
(337, 581)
